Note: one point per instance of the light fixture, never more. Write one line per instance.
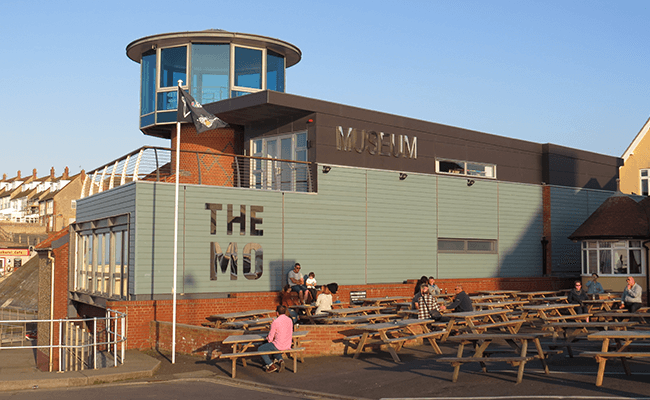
(326, 169)
(402, 176)
(470, 182)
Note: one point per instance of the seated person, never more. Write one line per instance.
(311, 287)
(324, 300)
(576, 296)
(433, 288)
(461, 301)
(631, 299)
(593, 286)
(279, 338)
(428, 307)
(297, 283)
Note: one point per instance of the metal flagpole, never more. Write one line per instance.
(178, 154)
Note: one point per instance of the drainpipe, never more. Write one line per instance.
(49, 256)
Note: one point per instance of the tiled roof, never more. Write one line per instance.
(619, 217)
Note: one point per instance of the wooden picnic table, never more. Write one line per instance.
(360, 319)
(509, 293)
(539, 294)
(510, 304)
(600, 304)
(623, 341)
(621, 316)
(395, 334)
(518, 344)
(219, 319)
(383, 301)
(342, 312)
(570, 331)
(241, 343)
(488, 298)
(479, 321)
(547, 311)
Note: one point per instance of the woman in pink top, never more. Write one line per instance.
(279, 338)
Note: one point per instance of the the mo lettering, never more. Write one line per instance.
(228, 262)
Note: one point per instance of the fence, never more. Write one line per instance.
(81, 342)
(158, 164)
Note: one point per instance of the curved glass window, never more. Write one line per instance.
(210, 66)
(248, 68)
(173, 66)
(148, 83)
(274, 71)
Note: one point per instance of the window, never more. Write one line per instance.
(280, 175)
(210, 66)
(622, 257)
(466, 168)
(644, 182)
(248, 69)
(463, 246)
(101, 266)
(274, 71)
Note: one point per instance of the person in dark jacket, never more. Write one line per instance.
(576, 296)
(461, 302)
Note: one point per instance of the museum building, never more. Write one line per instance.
(360, 197)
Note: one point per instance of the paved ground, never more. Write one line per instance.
(373, 376)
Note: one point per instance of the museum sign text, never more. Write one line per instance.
(376, 143)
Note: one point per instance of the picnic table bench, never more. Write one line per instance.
(572, 331)
(363, 318)
(217, 319)
(249, 324)
(395, 333)
(516, 355)
(242, 343)
(623, 341)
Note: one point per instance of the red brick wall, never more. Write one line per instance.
(212, 170)
(141, 314)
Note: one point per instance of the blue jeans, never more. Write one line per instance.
(268, 346)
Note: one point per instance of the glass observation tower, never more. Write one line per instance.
(214, 65)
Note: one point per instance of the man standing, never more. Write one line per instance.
(279, 338)
(631, 299)
(461, 302)
(297, 283)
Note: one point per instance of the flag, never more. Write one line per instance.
(203, 120)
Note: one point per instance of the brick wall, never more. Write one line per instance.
(193, 312)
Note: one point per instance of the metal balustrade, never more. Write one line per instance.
(158, 164)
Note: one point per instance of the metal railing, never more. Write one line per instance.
(158, 164)
(77, 342)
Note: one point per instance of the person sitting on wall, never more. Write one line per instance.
(279, 338)
(324, 300)
(631, 299)
(461, 302)
(576, 296)
(428, 307)
(433, 288)
(416, 292)
(297, 283)
(593, 286)
(311, 287)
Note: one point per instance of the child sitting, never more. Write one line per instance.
(311, 287)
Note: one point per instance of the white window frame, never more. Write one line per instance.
(612, 246)
(644, 175)
(465, 171)
(271, 170)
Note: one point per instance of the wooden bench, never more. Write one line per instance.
(251, 324)
(515, 361)
(248, 354)
(567, 317)
(430, 336)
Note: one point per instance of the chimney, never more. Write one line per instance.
(66, 172)
(34, 173)
(18, 174)
(4, 177)
(52, 173)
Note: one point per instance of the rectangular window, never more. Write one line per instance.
(248, 68)
(210, 66)
(466, 168)
(467, 246)
(173, 66)
(101, 267)
(645, 177)
(148, 83)
(280, 175)
(620, 257)
(274, 71)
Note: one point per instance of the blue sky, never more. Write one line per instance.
(573, 73)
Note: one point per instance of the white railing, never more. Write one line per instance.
(78, 340)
